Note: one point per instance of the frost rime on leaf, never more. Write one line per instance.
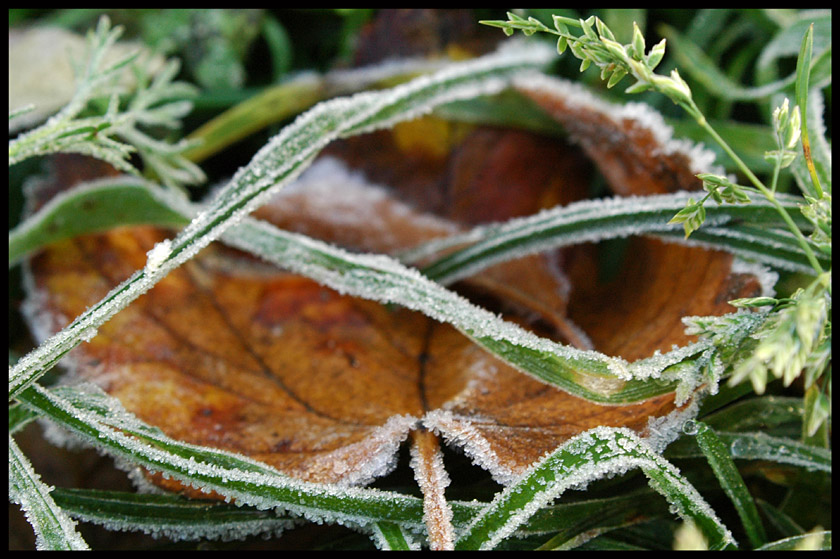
(427, 463)
(576, 98)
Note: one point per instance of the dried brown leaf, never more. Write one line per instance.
(231, 353)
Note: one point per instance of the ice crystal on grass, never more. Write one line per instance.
(662, 431)
(157, 255)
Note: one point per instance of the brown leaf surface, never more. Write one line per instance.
(228, 352)
(231, 353)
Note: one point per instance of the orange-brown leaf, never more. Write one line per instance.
(232, 353)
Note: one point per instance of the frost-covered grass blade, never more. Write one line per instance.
(588, 374)
(730, 479)
(813, 541)
(585, 458)
(170, 516)
(99, 420)
(596, 220)
(386, 280)
(394, 519)
(392, 537)
(761, 446)
(97, 206)
(54, 529)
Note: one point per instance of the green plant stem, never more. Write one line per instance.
(674, 88)
(776, 170)
(701, 120)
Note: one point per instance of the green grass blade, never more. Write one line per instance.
(695, 62)
(53, 528)
(390, 536)
(292, 96)
(595, 220)
(586, 457)
(19, 417)
(730, 479)
(166, 515)
(803, 74)
(760, 446)
(812, 541)
(778, 520)
(101, 421)
(777, 248)
(178, 518)
(586, 374)
(765, 413)
(573, 523)
(97, 206)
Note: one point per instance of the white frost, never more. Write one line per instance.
(701, 159)
(157, 255)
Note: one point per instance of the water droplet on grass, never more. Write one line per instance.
(690, 427)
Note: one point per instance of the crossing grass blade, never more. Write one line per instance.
(168, 515)
(731, 481)
(584, 458)
(341, 270)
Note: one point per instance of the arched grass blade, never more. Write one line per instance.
(760, 446)
(820, 540)
(587, 457)
(588, 374)
(386, 280)
(101, 421)
(97, 206)
(596, 220)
